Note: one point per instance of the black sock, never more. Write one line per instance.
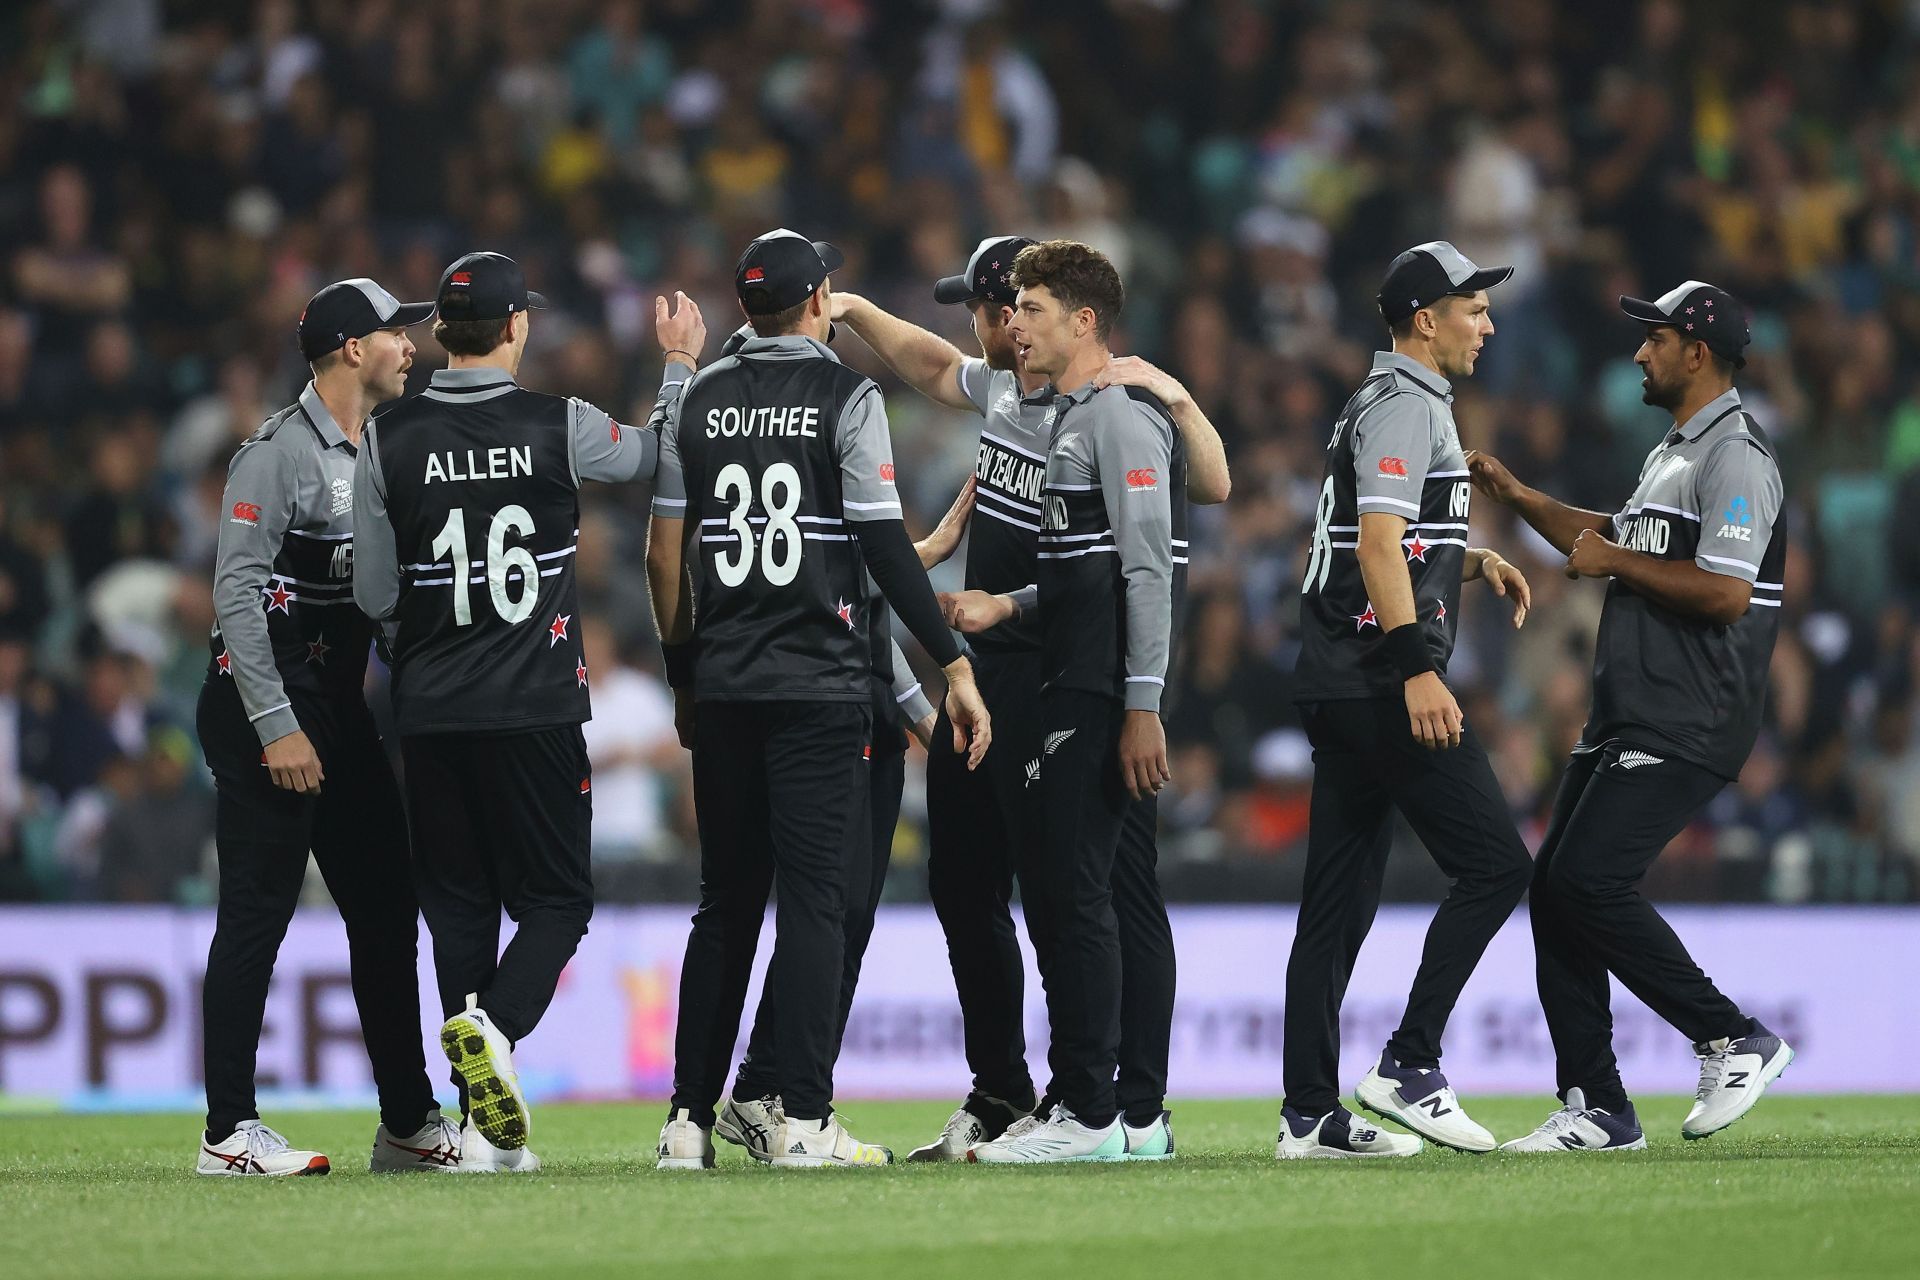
(214, 1140)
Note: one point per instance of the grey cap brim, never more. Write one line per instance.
(1643, 309)
(1484, 278)
(536, 301)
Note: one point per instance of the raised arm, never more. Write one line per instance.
(925, 361)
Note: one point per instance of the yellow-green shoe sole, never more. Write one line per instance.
(495, 1104)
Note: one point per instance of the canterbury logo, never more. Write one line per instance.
(1634, 759)
(1052, 743)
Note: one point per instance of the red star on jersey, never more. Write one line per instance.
(845, 611)
(558, 630)
(317, 650)
(1361, 621)
(580, 672)
(277, 597)
(225, 663)
(1440, 611)
(1417, 550)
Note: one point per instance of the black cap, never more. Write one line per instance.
(1698, 311)
(782, 269)
(987, 274)
(1429, 272)
(353, 309)
(485, 286)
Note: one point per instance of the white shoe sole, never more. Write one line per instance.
(1316, 1152)
(494, 1101)
(1768, 1074)
(1377, 1096)
(1638, 1144)
(973, 1157)
(683, 1162)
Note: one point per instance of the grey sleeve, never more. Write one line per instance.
(866, 459)
(1133, 448)
(907, 693)
(976, 383)
(1737, 487)
(598, 448)
(1392, 445)
(376, 560)
(256, 509)
(1026, 599)
(669, 483)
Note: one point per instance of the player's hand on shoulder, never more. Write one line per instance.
(1491, 477)
(1143, 754)
(1433, 713)
(974, 611)
(681, 329)
(293, 764)
(1132, 371)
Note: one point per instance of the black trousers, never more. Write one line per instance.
(1366, 764)
(501, 821)
(1611, 819)
(781, 794)
(356, 830)
(759, 1073)
(1147, 969)
(974, 819)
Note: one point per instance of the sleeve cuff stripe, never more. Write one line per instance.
(908, 695)
(1364, 503)
(262, 715)
(1742, 566)
(869, 506)
(1146, 680)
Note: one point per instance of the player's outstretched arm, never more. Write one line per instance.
(1208, 479)
(925, 361)
(1506, 580)
(1555, 521)
(937, 546)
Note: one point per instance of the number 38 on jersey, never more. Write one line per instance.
(772, 543)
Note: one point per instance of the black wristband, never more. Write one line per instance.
(1406, 648)
(679, 660)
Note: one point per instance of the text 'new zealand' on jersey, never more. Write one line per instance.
(1709, 493)
(775, 451)
(1395, 450)
(1010, 473)
(1113, 545)
(475, 494)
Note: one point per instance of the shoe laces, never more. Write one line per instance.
(1023, 1126)
(959, 1122)
(1713, 1069)
(1561, 1121)
(262, 1141)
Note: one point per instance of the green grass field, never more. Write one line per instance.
(1804, 1187)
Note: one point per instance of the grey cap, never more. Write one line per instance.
(1429, 272)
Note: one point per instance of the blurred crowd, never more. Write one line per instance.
(177, 178)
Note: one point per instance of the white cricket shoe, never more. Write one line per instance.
(753, 1124)
(477, 1155)
(1733, 1075)
(815, 1144)
(1338, 1135)
(1151, 1141)
(1060, 1140)
(1578, 1127)
(1422, 1100)
(253, 1150)
(433, 1148)
(962, 1131)
(484, 1059)
(684, 1144)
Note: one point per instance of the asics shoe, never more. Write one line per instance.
(1338, 1135)
(1421, 1100)
(753, 1124)
(1733, 1075)
(484, 1059)
(253, 1150)
(433, 1148)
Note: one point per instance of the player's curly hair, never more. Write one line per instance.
(1077, 274)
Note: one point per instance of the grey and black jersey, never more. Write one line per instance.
(1112, 559)
(770, 455)
(1010, 471)
(1710, 492)
(1394, 450)
(283, 576)
(468, 508)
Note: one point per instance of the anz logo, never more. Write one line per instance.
(1739, 525)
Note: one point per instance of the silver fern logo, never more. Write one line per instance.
(1634, 759)
(1052, 743)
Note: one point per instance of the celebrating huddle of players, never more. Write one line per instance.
(446, 528)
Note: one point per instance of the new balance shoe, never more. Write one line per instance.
(816, 1144)
(963, 1130)
(1578, 1127)
(1733, 1075)
(1338, 1135)
(477, 1155)
(255, 1151)
(433, 1148)
(1422, 1100)
(752, 1124)
(484, 1059)
(1153, 1141)
(1062, 1139)
(684, 1144)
